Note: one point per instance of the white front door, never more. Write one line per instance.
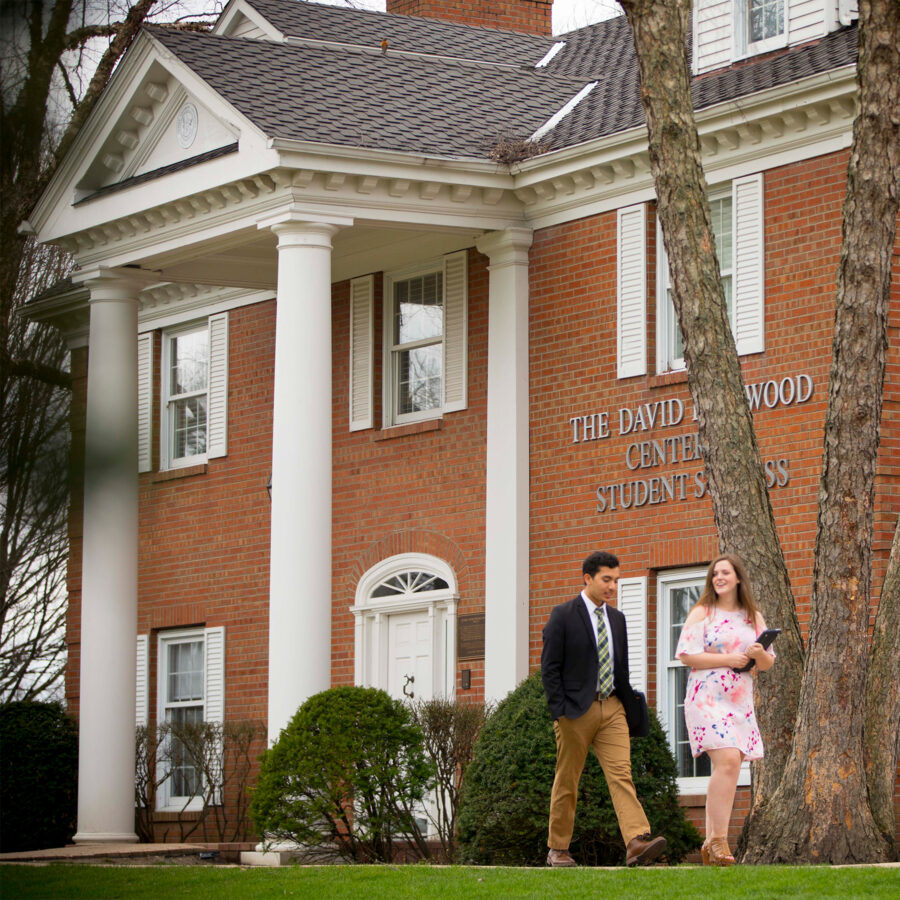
(410, 656)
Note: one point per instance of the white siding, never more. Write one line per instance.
(719, 37)
(633, 605)
(217, 415)
(145, 401)
(456, 327)
(806, 20)
(713, 25)
(631, 292)
(362, 293)
(749, 264)
(242, 27)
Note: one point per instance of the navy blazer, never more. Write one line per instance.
(569, 662)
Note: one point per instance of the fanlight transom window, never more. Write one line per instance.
(410, 583)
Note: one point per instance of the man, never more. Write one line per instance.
(584, 669)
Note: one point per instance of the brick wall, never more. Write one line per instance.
(527, 16)
(411, 489)
(573, 372)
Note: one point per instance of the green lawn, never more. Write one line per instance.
(465, 883)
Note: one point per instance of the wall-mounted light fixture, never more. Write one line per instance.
(269, 487)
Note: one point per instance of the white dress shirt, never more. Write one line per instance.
(591, 606)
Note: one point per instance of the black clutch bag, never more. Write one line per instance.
(640, 726)
(766, 639)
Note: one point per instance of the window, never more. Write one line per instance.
(186, 381)
(761, 25)
(673, 349)
(183, 702)
(738, 228)
(425, 326)
(189, 691)
(677, 593)
(194, 393)
(417, 336)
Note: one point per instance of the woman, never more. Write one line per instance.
(719, 636)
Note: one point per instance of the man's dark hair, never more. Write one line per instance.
(598, 560)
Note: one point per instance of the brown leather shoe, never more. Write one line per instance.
(643, 850)
(560, 859)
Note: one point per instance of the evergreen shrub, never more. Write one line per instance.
(346, 777)
(505, 803)
(38, 776)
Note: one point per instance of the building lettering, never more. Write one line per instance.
(674, 487)
(791, 390)
(658, 451)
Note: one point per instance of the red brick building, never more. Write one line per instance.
(395, 375)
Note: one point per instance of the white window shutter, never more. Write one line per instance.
(748, 284)
(362, 296)
(217, 410)
(215, 674)
(456, 328)
(215, 699)
(145, 401)
(631, 292)
(633, 605)
(142, 694)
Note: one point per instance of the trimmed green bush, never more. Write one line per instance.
(38, 776)
(346, 777)
(505, 804)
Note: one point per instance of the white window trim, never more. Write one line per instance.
(742, 45)
(392, 417)
(454, 340)
(665, 317)
(213, 706)
(665, 703)
(166, 460)
(216, 391)
(371, 614)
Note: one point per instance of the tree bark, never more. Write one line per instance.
(821, 811)
(741, 507)
(882, 722)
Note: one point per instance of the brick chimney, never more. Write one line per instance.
(527, 16)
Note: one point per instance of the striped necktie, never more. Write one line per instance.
(605, 679)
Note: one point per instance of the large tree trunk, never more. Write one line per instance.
(741, 507)
(821, 811)
(882, 723)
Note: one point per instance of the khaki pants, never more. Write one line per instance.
(604, 728)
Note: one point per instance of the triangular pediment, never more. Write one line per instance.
(160, 123)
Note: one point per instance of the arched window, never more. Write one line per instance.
(405, 635)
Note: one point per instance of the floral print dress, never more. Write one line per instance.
(718, 703)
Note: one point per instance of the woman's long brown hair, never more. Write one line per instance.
(745, 598)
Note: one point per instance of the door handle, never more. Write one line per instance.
(408, 680)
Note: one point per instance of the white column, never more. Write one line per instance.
(109, 567)
(300, 568)
(507, 501)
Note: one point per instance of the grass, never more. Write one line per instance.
(61, 881)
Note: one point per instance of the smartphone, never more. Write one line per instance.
(766, 639)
